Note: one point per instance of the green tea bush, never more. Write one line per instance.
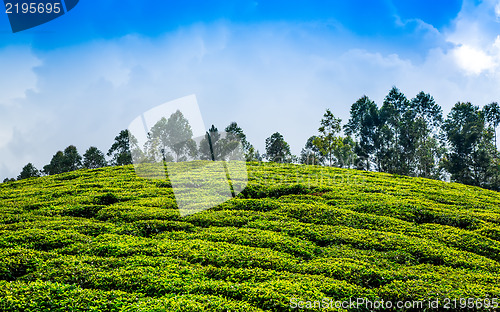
(107, 240)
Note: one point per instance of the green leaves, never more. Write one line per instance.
(106, 240)
(472, 154)
(277, 149)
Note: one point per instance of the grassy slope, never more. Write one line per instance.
(107, 240)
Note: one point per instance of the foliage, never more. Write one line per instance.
(492, 116)
(409, 137)
(72, 159)
(396, 143)
(310, 154)
(94, 158)
(56, 164)
(344, 153)
(175, 136)
(66, 161)
(29, 171)
(106, 240)
(120, 151)
(327, 141)
(364, 125)
(425, 147)
(251, 154)
(277, 149)
(216, 147)
(471, 147)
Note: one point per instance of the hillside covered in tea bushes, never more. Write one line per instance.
(107, 240)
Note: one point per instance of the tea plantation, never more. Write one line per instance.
(107, 240)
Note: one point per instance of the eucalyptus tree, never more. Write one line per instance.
(470, 160)
(170, 139)
(310, 154)
(364, 125)
(277, 149)
(396, 141)
(492, 115)
(327, 141)
(120, 150)
(251, 154)
(424, 120)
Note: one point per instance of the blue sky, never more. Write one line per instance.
(269, 65)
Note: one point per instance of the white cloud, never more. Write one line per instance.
(497, 10)
(475, 38)
(473, 60)
(265, 77)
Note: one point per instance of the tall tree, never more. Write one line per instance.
(120, 150)
(364, 126)
(157, 146)
(180, 136)
(424, 150)
(327, 141)
(66, 161)
(277, 149)
(56, 164)
(310, 154)
(211, 147)
(345, 157)
(470, 160)
(251, 154)
(171, 138)
(72, 159)
(28, 171)
(396, 144)
(94, 158)
(492, 115)
(234, 129)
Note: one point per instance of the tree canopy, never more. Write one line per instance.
(120, 150)
(94, 158)
(29, 171)
(404, 136)
(171, 139)
(277, 149)
(251, 154)
(66, 161)
(327, 140)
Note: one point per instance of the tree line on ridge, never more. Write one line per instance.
(403, 136)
